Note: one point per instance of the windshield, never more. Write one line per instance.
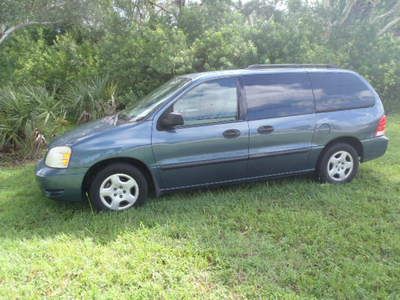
(148, 103)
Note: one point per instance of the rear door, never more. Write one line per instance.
(280, 113)
(212, 145)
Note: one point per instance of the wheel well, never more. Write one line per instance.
(134, 162)
(354, 142)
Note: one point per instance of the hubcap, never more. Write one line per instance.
(340, 165)
(119, 191)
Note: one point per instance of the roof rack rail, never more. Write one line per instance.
(273, 66)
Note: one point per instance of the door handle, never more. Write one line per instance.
(231, 133)
(265, 129)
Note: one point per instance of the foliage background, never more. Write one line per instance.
(289, 239)
(91, 58)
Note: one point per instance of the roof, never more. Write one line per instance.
(238, 72)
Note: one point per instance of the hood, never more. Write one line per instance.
(84, 131)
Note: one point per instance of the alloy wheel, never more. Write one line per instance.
(340, 165)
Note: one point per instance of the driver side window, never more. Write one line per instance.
(210, 102)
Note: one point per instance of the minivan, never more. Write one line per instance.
(213, 128)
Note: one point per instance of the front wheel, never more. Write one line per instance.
(339, 164)
(118, 187)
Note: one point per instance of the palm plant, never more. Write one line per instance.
(25, 111)
(16, 114)
(92, 99)
(47, 108)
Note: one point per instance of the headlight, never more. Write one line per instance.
(58, 157)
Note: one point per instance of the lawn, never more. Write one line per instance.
(290, 238)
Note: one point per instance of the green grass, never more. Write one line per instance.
(291, 238)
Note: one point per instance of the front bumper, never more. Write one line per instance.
(60, 184)
(374, 147)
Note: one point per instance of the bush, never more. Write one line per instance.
(27, 116)
(32, 61)
(91, 99)
(141, 60)
(50, 74)
(227, 48)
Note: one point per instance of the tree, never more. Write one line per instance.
(381, 14)
(18, 14)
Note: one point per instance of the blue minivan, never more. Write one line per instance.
(221, 127)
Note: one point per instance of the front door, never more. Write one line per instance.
(280, 112)
(212, 144)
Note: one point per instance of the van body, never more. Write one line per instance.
(221, 127)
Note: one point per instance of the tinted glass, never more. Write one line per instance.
(337, 91)
(278, 95)
(209, 102)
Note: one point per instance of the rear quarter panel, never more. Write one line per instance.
(359, 123)
(356, 123)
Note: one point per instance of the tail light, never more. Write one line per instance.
(380, 130)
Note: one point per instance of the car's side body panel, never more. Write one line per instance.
(285, 149)
(201, 156)
(129, 140)
(374, 147)
(60, 184)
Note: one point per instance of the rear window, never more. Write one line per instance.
(278, 95)
(339, 91)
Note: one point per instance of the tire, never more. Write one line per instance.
(117, 187)
(339, 164)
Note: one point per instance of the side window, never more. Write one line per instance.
(278, 95)
(337, 91)
(210, 102)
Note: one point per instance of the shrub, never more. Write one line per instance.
(27, 116)
(226, 48)
(91, 99)
(142, 59)
(32, 60)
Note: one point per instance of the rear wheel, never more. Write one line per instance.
(339, 164)
(118, 187)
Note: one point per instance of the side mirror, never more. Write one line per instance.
(171, 120)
